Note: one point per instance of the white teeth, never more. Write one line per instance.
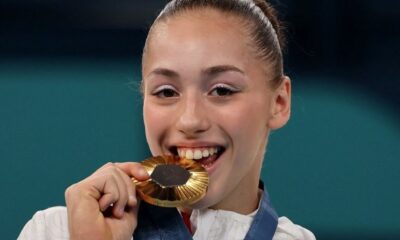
(212, 150)
(189, 154)
(205, 153)
(197, 153)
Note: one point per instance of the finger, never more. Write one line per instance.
(119, 206)
(131, 189)
(105, 166)
(126, 193)
(99, 177)
(134, 169)
(131, 216)
(110, 192)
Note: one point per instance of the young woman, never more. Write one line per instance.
(214, 88)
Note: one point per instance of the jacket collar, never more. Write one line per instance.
(265, 222)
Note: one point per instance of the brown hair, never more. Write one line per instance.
(265, 29)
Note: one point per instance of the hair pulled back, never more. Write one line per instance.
(263, 25)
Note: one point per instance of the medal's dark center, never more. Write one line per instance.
(170, 175)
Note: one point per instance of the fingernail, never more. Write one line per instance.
(132, 200)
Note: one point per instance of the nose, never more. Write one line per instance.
(193, 116)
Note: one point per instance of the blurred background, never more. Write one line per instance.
(69, 103)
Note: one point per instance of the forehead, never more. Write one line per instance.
(202, 36)
(204, 20)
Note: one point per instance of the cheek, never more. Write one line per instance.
(154, 127)
(245, 120)
(246, 125)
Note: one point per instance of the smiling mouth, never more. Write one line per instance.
(206, 156)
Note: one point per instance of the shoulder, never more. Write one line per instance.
(51, 223)
(287, 230)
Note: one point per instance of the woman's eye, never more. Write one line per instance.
(166, 93)
(222, 91)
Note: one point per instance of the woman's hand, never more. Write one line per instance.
(104, 205)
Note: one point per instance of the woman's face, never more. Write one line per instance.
(206, 97)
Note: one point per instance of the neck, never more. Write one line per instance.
(243, 199)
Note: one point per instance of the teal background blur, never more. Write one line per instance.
(69, 103)
(334, 168)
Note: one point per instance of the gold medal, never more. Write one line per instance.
(173, 182)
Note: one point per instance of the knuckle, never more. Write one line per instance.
(108, 165)
(69, 191)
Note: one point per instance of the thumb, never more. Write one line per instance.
(134, 169)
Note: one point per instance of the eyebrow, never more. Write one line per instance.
(215, 70)
(208, 72)
(165, 72)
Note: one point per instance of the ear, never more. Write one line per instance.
(280, 105)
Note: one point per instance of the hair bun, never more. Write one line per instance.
(272, 16)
